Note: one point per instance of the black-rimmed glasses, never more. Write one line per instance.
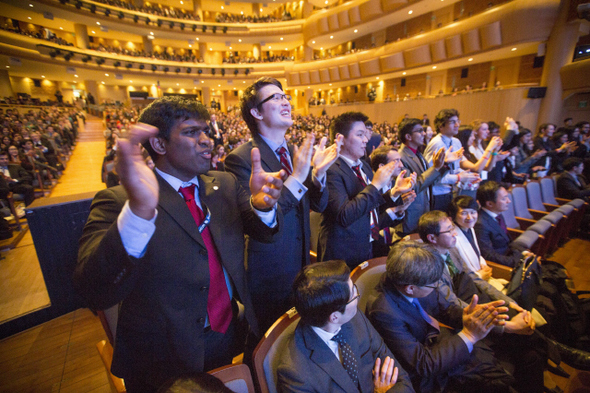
(358, 294)
(431, 286)
(275, 97)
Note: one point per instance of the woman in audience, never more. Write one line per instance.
(6, 142)
(18, 158)
(487, 159)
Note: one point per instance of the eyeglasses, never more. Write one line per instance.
(452, 230)
(276, 97)
(358, 295)
(455, 121)
(431, 286)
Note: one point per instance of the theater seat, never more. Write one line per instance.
(236, 377)
(366, 276)
(268, 351)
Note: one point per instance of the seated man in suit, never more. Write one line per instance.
(335, 348)
(492, 236)
(355, 196)
(407, 312)
(169, 245)
(572, 184)
(18, 179)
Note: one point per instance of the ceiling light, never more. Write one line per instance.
(230, 47)
(404, 73)
(240, 40)
(377, 79)
(151, 33)
(102, 82)
(326, 2)
(269, 47)
(98, 23)
(286, 48)
(242, 12)
(330, 84)
(243, 81)
(93, 32)
(61, 28)
(130, 81)
(222, 7)
(106, 74)
(178, 84)
(7, 66)
(410, 12)
(202, 81)
(190, 46)
(218, 85)
(434, 67)
(356, 31)
(261, 10)
(75, 76)
(281, 38)
(30, 18)
(331, 37)
(210, 49)
(470, 59)
(513, 49)
(197, 38)
(321, 48)
(30, 5)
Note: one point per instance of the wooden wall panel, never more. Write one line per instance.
(304, 77)
(370, 10)
(390, 5)
(369, 67)
(471, 41)
(354, 14)
(453, 44)
(344, 72)
(294, 79)
(323, 26)
(392, 62)
(491, 35)
(333, 22)
(438, 50)
(324, 75)
(343, 19)
(355, 71)
(417, 56)
(334, 74)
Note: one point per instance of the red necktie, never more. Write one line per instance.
(502, 223)
(374, 228)
(218, 302)
(282, 152)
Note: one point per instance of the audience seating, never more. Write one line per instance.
(535, 200)
(236, 377)
(267, 353)
(105, 349)
(366, 276)
(548, 195)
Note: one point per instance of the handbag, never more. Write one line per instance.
(525, 282)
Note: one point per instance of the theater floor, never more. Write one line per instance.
(61, 356)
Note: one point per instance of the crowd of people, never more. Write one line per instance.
(41, 33)
(372, 184)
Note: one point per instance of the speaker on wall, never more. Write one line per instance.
(464, 72)
(403, 82)
(356, 89)
(537, 92)
(37, 82)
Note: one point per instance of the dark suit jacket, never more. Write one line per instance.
(164, 293)
(404, 330)
(20, 174)
(216, 140)
(272, 267)
(567, 187)
(495, 244)
(346, 225)
(423, 187)
(308, 365)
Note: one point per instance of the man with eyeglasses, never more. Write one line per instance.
(447, 127)
(407, 312)
(334, 348)
(266, 109)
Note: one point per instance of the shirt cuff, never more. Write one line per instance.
(135, 232)
(466, 341)
(395, 216)
(269, 218)
(320, 181)
(296, 188)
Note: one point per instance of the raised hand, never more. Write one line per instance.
(452, 156)
(439, 158)
(510, 124)
(302, 158)
(403, 184)
(384, 377)
(323, 157)
(468, 177)
(265, 187)
(383, 175)
(478, 320)
(407, 200)
(138, 180)
(495, 142)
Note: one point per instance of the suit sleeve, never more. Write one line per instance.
(347, 210)
(426, 361)
(380, 350)
(105, 273)
(568, 189)
(484, 240)
(242, 170)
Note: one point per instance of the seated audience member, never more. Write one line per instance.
(334, 348)
(407, 312)
(447, 127)
(17, 158)
(509, 169)
(572, 184)
(18, 179)
(482, 162)
(412, 136)
(355, 196)
(196, 383)
(544, 141)
(178, 313)
(492, 235)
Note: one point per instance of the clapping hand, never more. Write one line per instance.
(138, 180)
(403, 184)
(384, 378)
(325, 157)
(265, 187)
(452, 156)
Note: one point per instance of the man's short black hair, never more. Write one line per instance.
(165, 112)
(492, 125)
(572, 163)
(413, 263)
(321, 289)
(581, 124)
(462, 202)
(250, 100)
(405, 128)
(198, 382)
(379, 156)
(342, 124)
(567, 119)
(443, 116)
(488, 192)
(429, 224)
